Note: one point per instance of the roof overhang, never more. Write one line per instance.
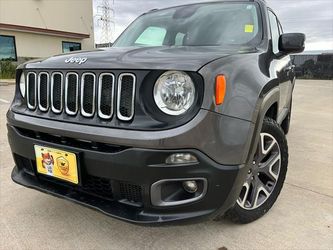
(49, 32)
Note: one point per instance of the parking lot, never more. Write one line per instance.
(302, 218)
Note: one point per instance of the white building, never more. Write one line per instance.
(42, 28)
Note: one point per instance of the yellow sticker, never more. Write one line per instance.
(248, 28)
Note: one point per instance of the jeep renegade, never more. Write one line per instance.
(184, 117)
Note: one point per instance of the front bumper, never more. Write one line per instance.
(133, 168)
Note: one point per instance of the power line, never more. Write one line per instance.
(105, 20)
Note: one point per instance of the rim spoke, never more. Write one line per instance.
(270, 147)
(254, 193)
(267, 167)
(260, 149)
(259, 188)
(247, 187)
(265, 150)
(264, 188)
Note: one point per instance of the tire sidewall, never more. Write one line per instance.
(245, 216)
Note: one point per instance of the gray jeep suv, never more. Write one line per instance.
(184, 117)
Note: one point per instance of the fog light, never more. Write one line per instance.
(181, 158)
(190, 186)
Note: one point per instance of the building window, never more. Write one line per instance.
(70, 46)
(7, 48)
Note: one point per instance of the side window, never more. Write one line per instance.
(152, 36)
(275, 32)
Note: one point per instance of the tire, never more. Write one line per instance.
(286, 122)
(265, 178)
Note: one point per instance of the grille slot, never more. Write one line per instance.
(130, 192)
(43, 91)
(72, 93)
(56, 92)
(105, 95)
(32, 90)
(98, 186)
(82, 144)
(126, 95)
(88, 94)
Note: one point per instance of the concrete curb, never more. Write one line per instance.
(6, 82)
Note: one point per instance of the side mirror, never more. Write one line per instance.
(292, 43)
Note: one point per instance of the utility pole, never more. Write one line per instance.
(105, 20)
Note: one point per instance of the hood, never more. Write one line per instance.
(158, 58)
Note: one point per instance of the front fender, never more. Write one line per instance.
(252, 89)
(245, 81)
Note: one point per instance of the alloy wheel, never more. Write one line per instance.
(263, 174)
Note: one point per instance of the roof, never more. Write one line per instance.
(202, 3)
(35, 30)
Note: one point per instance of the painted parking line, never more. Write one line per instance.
(4, 101)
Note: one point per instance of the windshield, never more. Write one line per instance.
(218, 24)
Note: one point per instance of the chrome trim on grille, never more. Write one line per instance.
(57, 111)
(83, 112)
(28, 90)
(74, 95)
(41, 108)
(120, 116)
(100, 85)
(69, 112)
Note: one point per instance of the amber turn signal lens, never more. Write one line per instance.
(220, 89)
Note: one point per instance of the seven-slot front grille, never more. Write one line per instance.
(86, 94)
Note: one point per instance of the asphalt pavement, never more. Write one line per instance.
(302, 217)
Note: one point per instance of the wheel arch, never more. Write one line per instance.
(267, 106)
(272, 111)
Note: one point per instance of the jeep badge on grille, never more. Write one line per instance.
(79, 60)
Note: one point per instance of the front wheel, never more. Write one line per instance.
(265, 177)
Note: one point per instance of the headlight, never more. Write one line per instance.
(22, 85)
(174, 92)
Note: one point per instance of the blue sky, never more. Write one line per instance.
(312, 17)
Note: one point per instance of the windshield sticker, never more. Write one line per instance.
(248, 28)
